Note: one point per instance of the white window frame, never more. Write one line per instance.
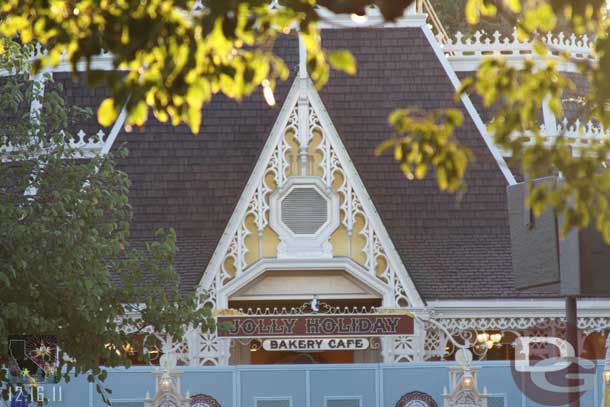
(498, 395)
(343, 398)
(274, 398)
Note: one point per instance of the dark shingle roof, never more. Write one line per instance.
(193, 182)
(451, 248)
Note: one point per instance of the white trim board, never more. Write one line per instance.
(469, 63)
(338, 263)
(472, 111)
(555, 308)
(374, 19)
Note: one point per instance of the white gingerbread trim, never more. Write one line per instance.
(253, 183)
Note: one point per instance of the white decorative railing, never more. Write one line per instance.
(465, 49)
(83, 146)
(579, 134)
(40, 51)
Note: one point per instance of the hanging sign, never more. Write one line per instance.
(313, 344)
(340, 325)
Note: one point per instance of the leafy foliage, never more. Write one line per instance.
(67, 267)
(583, 193)
(175, 55)
(517, 94)
(425, 141)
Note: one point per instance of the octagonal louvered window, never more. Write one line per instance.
(304, 211)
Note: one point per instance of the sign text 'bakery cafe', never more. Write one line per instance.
(278, 326)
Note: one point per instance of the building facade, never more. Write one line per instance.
(289, 212)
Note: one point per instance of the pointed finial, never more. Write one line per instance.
(477, 36)
(81, 136)
(458, 37)
(302, 58)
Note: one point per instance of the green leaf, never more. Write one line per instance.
(107, 112)
(514, 5)
(342, 60)
(138, 114)
(472, 12)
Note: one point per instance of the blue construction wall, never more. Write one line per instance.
(375, 385)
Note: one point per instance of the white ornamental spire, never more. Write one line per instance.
(302, 58)
(303, 108)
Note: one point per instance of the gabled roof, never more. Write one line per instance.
(193, 182)
(452, 248)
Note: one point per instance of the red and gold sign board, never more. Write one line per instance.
(278, 326)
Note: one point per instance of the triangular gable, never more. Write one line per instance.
(244, 251)
(355, 202)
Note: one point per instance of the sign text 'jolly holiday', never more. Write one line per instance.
(277, 326)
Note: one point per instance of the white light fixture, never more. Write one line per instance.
(168, 386)
(463, 382)
(165, 384)
(467, 380)
(607, 376)
(357, 18)
(482, 338)
(489, 340)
